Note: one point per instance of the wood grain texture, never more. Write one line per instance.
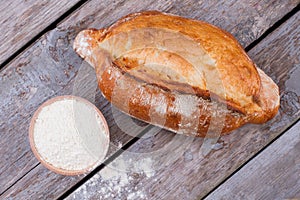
(273, 174)
(21, 20)
(50, 68)
(178, 168)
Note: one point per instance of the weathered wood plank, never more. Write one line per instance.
(21, 20)
(50, 67)
(25, 160)
(176, 167)
(273, 174)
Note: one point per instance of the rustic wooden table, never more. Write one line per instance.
(37, 63)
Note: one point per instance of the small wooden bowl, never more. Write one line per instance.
(49, 165)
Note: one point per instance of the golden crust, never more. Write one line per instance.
(178, 73)
(239, 76)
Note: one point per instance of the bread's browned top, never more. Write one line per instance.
(203, 56)
(166, 55)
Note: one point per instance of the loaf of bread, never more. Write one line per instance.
(184, 75)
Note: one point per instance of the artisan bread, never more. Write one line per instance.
(178, 73)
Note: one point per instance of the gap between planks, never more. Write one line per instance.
(254, 180)
(35, 166)
(274, 27)
(50, 27)
(131, 142)
(253, 157)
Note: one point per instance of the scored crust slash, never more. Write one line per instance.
(178, 73)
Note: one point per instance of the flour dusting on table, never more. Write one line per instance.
(118, 180)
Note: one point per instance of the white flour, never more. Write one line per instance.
(69, 134)
(118, 180)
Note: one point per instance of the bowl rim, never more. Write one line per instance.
(49, 165)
